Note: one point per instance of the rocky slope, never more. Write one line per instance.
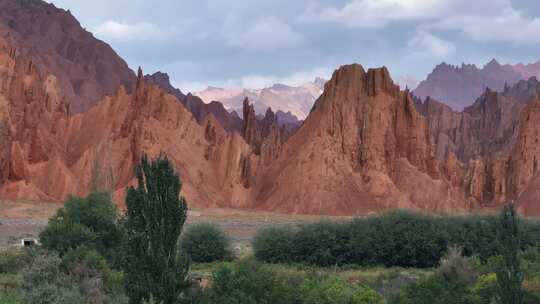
(296, 100)
(85, 68)
(458, 87)
(48, 154)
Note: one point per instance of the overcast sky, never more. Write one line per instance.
(254, 43)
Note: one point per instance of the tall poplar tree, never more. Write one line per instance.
(154, 265)
(509, 274)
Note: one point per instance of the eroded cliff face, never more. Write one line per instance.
(486, 127)
(483, 148)
(523, 182)
(365, 147)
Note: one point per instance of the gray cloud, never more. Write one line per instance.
(246, 43)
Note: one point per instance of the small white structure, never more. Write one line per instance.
(28, 242)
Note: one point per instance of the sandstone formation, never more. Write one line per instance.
(458, 87)
(51, 154)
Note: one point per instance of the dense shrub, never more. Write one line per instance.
(321, 243)
(407, 239)
(326, 291)
(248, 283)
(485, 289)
(13, 260)
(397, 238)
(90, 222)
(530, 263)
(9, 296)
(44, 282)
(93, 262)
(436, 289)
(206, 242)
(450, 283)
(274, 244)
(475, 234)
(366, 295)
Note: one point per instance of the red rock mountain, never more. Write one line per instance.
(458, 87)
(85, 68)
(365, 147)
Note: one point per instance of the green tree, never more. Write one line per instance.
(154, 265)
(509, 274)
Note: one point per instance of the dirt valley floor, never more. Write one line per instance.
(24, 219)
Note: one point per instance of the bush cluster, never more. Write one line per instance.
(205, 243)
(397, 238)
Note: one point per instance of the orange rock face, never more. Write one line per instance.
(363, 148)
(50, 155)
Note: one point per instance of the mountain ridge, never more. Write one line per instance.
(280, 97)
(459, 86)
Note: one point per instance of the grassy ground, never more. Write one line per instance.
(387, 281)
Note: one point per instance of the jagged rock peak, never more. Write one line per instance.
(140, 81)
(139, 73)
(159, 75)
(250, 130)
(492, 63)
(270, 115)
(372, 82)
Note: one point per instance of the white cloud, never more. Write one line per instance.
(256, 82)
(509, 26)
(478, 20)
(429, 45)
(376, 13)
(267, 34)
(407, 81)
(295, 79)
(122, 31)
